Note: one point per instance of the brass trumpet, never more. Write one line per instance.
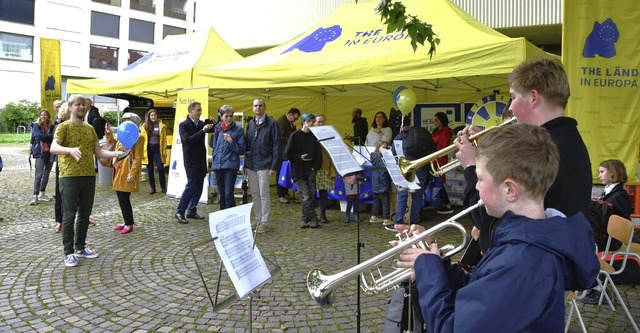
(408, 168)
(322, 287)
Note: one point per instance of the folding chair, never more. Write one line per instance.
(621, 229)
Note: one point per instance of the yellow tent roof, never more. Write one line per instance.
(165, 70)
(350, 53)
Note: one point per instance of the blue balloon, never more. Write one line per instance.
(395, 94)
(128, 134)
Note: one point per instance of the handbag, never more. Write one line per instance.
(109, 146)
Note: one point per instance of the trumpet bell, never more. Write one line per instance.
(316, 283)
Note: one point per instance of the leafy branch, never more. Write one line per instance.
(394, 14)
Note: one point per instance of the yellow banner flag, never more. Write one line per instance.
(600, 55)
(50, 75)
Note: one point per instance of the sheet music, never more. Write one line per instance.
(362, 154)
(394, 171)
(342, 159)
(232, 236)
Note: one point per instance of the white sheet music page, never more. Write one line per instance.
(394, 171)
(342, 159)
(232, 236)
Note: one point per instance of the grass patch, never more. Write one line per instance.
(15, 138)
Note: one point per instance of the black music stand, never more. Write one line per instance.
(231, 298)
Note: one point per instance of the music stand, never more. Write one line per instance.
(217, 304)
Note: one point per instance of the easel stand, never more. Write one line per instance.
(230, 300)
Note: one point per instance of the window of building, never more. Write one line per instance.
(105, 25)
(16, 47)
(134, 55)
(146, 6)
(116, 3)
(171, 30)
(18, 11)
(141, 31)
(175, 9)
(103, 57)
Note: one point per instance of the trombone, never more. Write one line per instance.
(322, 286)
(408, 168)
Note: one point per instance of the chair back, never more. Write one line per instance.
(621, 229)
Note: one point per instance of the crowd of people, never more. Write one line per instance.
(533, 178)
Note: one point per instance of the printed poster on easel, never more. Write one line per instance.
(177, 176)
(232, 236)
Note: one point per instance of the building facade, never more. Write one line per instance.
(99, 38)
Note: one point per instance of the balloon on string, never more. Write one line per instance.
(128, 134)
(395, 94)
(406, 101)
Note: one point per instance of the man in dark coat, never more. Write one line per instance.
(286, 127)
(193, 133)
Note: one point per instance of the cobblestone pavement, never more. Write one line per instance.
(149, 281)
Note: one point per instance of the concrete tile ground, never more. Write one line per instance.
(149, 280)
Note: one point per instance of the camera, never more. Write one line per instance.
(208, 121)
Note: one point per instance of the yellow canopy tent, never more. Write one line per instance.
(164, 71)
(349, 60)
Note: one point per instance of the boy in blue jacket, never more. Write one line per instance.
(534, 255)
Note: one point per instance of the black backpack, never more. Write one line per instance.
(397, 318)
(418, 143)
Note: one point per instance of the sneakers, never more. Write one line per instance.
(304, 224)
(387, 222)
(254, 224)
(375, 219)
(70, 260)
(390, 227)
(44, 197)
(444, 210)
(57, 227)
(283, 200)
(347, 218)
(86, 253)
(314, 223)
(263, 228)
(127, 229)
(34, 201)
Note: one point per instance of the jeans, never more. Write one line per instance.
(416, 199)
(153, 156)
(259, 184)
(191, 195)
(226, 180)
(43, 169)
(307, 189)
(380, 205)
(323, 198)
(125, 207)
(77, 197)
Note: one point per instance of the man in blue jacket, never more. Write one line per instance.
(194, 154)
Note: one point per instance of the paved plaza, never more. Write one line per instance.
(150, 280)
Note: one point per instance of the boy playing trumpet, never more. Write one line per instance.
(533, 257)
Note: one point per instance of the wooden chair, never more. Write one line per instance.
(622, 230)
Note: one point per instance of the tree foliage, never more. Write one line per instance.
(22, 113)
(394, 15)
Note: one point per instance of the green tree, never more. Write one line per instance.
(394, 14)
(22, 113)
